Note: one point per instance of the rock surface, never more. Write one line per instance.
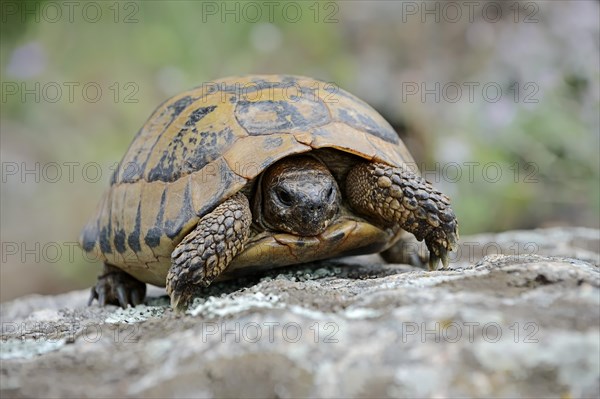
(526, 323)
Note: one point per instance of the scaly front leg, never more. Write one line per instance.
(207, 251)
(392, 196)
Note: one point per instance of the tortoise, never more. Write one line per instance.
(257, 172)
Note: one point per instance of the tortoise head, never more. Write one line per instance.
(299, 196)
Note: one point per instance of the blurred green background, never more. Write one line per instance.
(80, 78)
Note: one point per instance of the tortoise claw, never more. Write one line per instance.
(122, 296)
(440, 243)
(445, 260)
(433, 261)
(440, 250)
(102, 297)
(181, 299)
(93, 295)
(116, 287)
(135, 298)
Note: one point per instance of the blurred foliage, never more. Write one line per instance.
(147, 51)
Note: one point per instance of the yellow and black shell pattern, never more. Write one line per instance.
(202, 146)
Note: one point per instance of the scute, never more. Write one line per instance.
(153, 235)
(362, 117)
(268, 117)
(188, 140)
(133, 164)
(202, 146)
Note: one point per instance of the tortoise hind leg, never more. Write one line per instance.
(397, 198)
(116, 287)
(206, 252)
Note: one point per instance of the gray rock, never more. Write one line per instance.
(512, 325)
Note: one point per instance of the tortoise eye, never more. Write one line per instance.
(330, 194)
(284, 197)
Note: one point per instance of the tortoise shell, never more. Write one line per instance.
(202, 146)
